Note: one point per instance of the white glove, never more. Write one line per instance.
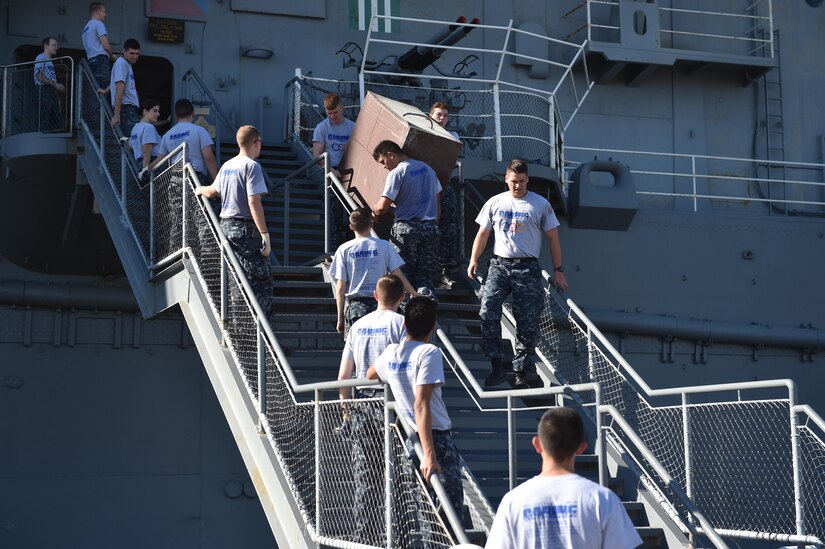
(144, 175)
(266, 247)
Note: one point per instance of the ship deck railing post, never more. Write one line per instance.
(388, 469)
(589, 23)
(688, 462)
(693, 177)
(296, 107)
(326, 202)
(183, 198)
(601, 447)
(224, 292)
(511, 443)
(797, 475)
(460, 244)
(259, 331)
(102, 131)
(318, 530)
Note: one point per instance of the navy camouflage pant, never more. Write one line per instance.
(245, 241)
(448, 226)
(356, 309)
(417, 244)
(129, 116)
(367, 423)
(523, 281)
(101, 70)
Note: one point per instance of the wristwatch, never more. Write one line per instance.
(558, 270)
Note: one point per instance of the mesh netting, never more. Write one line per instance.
(812, 470)
(167, 218)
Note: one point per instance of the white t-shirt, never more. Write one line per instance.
(361, 262)
(405, 366)
(334, 138)
(413, 187)
(370, 335)
(196, 139)
(519, 223)
(144, 133)
(238, 179)
(122, 72)
(44, 67)
(92, 32)
(562, 512)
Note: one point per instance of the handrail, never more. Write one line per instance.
(69, 94)
(191, 73)
(707, 528)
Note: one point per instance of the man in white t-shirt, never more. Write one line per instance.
(96, 43)
(199, 143)
(412, 191)
(240, 185)
(356, 267)
(559, 509)
(520, 220)
(125, 100)
(364, 420)
(415, 373)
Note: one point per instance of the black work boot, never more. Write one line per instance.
(446, 280)
(498, 375)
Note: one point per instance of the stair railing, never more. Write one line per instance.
(171, 221)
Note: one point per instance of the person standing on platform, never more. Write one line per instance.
(240, 185)
(559, 509)
(125, 102)
(518, 218)
(48, 88)
(96, 43)
(356, 267)
(448, 222)
(199, 144)
(413, 188)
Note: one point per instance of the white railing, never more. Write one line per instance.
(170, 223)
(31, 108)
(707, 183)
(742, 28)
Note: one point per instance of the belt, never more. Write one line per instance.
(443, 433)
(101, 55)
(361, 299)
(433, 221)
(243, 219)
(516, 260)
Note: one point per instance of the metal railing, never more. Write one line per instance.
(32, 106)
(737, 459)
(194, 89)
(169, 223)
(695, 182)
(740, 28)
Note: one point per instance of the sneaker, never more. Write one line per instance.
(498, 375)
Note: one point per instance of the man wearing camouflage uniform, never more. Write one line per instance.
(448, 222)
(518, 218)
(240, 184)
(413, 188)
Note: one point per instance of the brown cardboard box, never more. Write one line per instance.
(419, 137)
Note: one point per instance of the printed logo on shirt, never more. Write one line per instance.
(544, 512)
(178, 136)
(513, 222)
(341, 144)
(372, 332)
(398, 366)
(363, 254)
(418, 171)
(231, 171)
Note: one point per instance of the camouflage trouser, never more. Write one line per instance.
(357, 309)
(523, 281)
(245, 241)
(101, 70)
(450, 461)
(448, 225)
(368, 472)
(417, 244)
(129, 116)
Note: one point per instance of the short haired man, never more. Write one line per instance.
(240, 185)
(96, 43)
(558, 508)
(357, 266)
(48, 87)
(518, 218)
(125, 101)
(413, 188)
(331, 135)
(199, 143)
(448, 222)
(366, 340)
(415, 374)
